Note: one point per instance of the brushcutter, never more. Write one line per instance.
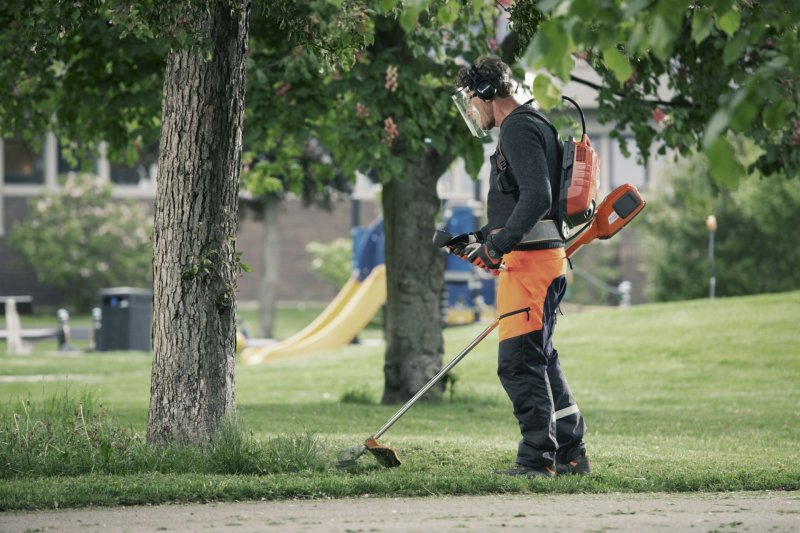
(388, 456)
(613, 214)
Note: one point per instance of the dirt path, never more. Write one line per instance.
(725, 512)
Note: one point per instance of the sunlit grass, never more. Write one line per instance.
(691, 396)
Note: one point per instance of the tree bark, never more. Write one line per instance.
(415, 275)
(195, 265)
(270, 263)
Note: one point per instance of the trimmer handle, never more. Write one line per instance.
(441, 238)
(614, 213)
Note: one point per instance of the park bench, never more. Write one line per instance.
(11, 307)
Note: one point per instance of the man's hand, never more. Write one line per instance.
(458, 244)
(483, 255)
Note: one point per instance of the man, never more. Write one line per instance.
(521, 244)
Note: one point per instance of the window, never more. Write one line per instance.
(22, 164)
(122, 174)
(80, 166)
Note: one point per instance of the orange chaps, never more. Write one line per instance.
(551, 425)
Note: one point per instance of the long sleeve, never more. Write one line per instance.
(524, 146)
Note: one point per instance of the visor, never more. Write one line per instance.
(469, 112)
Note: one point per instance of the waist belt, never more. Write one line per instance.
(544, 230)
(542, 236)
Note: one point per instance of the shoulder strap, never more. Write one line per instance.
(559, 147)
(542, 118)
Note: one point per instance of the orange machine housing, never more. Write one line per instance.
(613, 214)
(580, 183)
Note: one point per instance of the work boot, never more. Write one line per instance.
(529, 471)
(577, 465)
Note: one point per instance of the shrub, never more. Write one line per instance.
(333, 261)
(755, 250)
(78, 239)
(362, 396)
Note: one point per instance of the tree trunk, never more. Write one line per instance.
(415, 274)
(270, 263)
(194, 264)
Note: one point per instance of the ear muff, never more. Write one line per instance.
(483, 88)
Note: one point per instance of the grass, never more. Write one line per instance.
(690, 396)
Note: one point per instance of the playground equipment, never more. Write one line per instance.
(468, 290)
(348, 313)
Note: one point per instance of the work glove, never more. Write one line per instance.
(484, 255)
(458, 243)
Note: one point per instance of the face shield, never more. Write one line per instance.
(469, 112)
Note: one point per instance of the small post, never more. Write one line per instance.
(64, 336)
(711, 225)
(624, 291)
(97, 323)
(14, 344)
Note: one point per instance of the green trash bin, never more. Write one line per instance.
(125, 320)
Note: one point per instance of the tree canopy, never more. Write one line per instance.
(683, 75)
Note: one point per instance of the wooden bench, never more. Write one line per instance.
(24, 304)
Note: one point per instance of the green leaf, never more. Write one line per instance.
(729, 22)
(408, 18)
(617, 63)
(448, 13)
(775, 114)
(661, 38)
(387, 5)
(473, 159)
(550, 49)
(702, 23)
(635, 7)
(718, 123)
(637, 42)
(722, 163)
(745, 111)
(734, 49)
(534, 56)
(546, 6)
(545, 92)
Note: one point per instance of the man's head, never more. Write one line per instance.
(487, 78)
(477, 87)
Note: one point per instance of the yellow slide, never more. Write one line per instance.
(336, 326)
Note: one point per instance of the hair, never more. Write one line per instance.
(491, 69)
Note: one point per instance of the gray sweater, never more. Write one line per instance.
(523, 184)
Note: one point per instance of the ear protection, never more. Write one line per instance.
(484, 89)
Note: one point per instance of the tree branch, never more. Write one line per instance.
(595, 86)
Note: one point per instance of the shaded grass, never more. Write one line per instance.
(690, 396)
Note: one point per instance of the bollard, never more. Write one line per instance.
(97, 323)
(64, 337)
(624, 291)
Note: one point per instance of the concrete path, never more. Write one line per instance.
(702, 512)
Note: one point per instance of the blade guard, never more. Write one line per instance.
(383, 454)
(613, 214)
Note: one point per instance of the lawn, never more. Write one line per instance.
(689, 396)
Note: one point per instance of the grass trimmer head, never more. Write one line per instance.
(383, 454)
